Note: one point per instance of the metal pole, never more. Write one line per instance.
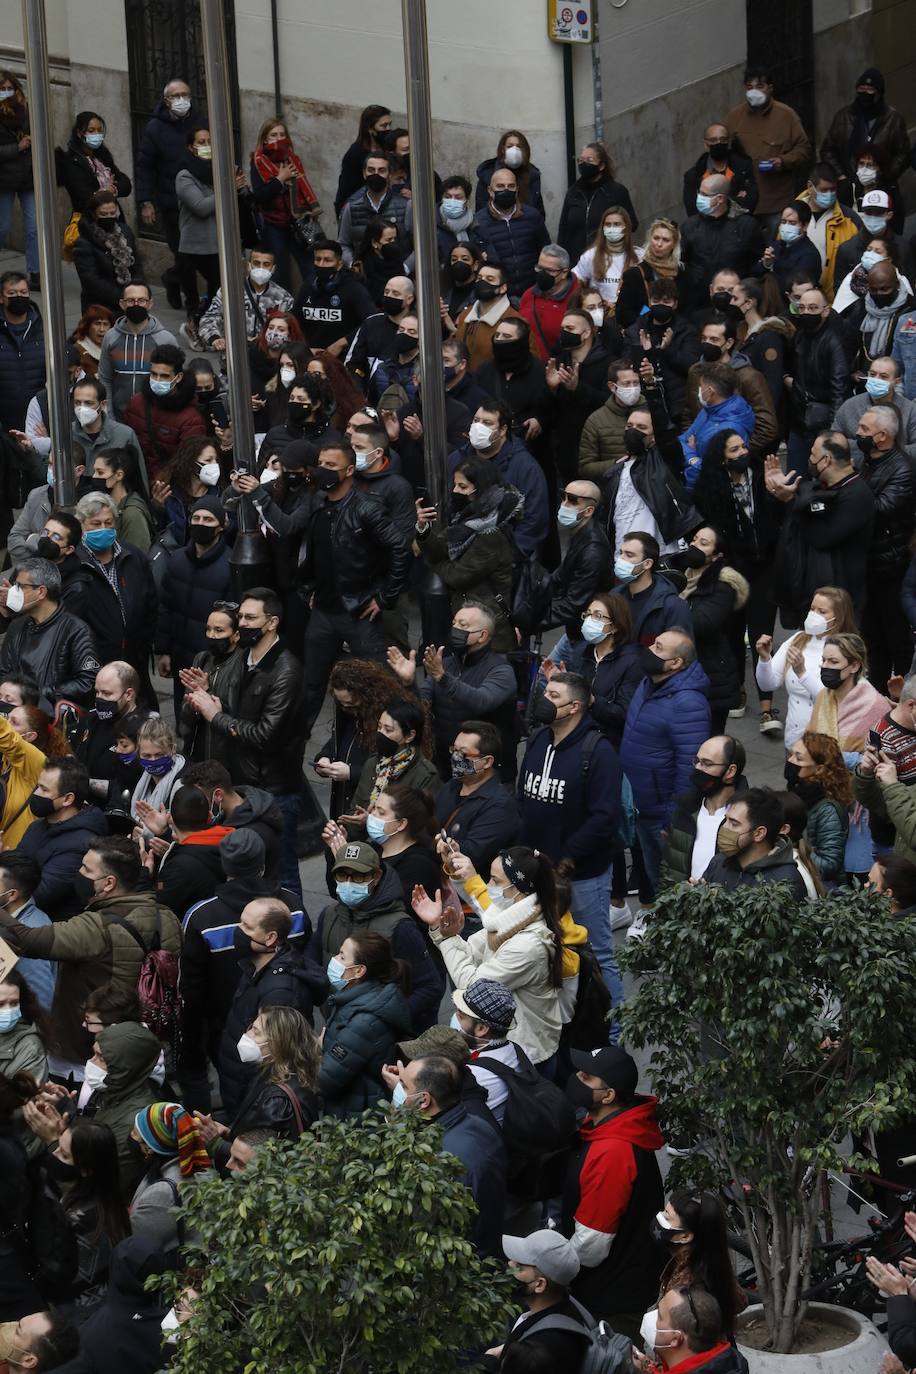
(275, 43)
(570, 113)
(250, 548)
(423, 200)
(597, 88)
(52, 287)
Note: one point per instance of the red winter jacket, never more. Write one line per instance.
(545, 315)
(161, 422)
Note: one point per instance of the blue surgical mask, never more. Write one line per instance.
(398, 1096)
(624, 571)
(704, 203)
(566, 515)
(94, 140)
(593, 630)
(159, 388)
(824, 199)
(789, 232)
(870, 259)
(877, 387)
(875, 224)
(375, 829)
(452, 209)
(335, 972)
(351, 894)
(99, 540)
(455, 1023)
(50, 476)
(9, 1017)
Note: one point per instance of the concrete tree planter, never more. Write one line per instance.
(859, 1355)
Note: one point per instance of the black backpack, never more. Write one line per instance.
(539, 1128)
(590, 1022)
(607, 1352)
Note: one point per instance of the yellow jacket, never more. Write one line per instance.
(571, 934)
(20, 765)
(839, 228)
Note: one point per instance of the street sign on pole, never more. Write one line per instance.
(570, 21)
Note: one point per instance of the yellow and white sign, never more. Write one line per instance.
(569, 21)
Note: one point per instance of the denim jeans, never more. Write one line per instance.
(29, 224)
(591, 899)
(288, 806)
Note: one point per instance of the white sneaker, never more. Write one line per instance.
(621, 916)
(639, 924)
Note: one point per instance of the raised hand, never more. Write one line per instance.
(429, 909)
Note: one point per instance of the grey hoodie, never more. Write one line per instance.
(124, 359)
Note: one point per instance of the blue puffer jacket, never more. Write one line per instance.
(732, 413)
(364, 1022)
(162, 154)
(665, 726)
(514, 242)
(22, 367)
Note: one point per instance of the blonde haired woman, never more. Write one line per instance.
(796, 664)
(661, 260)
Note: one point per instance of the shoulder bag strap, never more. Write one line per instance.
(132, 931)
(294, 1102)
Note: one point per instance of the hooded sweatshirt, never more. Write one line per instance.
(124, 360)
(613, 1190)
(259, 812)
(131, 1053)
(569, 797)
(124, 1331)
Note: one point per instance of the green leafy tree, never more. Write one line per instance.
(777, 1027)
(343, 1251)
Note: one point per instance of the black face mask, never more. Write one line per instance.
(704, 783)
(205, 397)
(718, 151)
(662, 314)
(136, 1149)
(221, 647)
(105, 709)
(385, 747)
(651, 664)
(460, 272)
(64, 1173)
(867, 101)
(568, 338)
(296, 414)
(205, 535)
(634, 441)
(460, 499)
(694, 557)
(543, 280)
(832, 677)
(249, 635)
(588, 171)
(722, 300)
(328, 479)
(710, 352)
(866, 443)
(509, 352)
(17, 307)
(791, 772)
(579, 1093)
(739, 464)
(325, 275)
(458, 639)
(808, 324)
(293, 480)
(883, 299)
(98, 484)
(137, 314)
(390, 253)
(485, 290)
(808, 791)
(46, 548)
(544, 711)
(6, 707)
(41, 807)
(405, 343)
(504, 200)
(391, 305)
(376, 182)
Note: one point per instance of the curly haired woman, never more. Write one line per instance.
(815, 772)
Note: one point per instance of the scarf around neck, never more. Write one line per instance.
(876, 326)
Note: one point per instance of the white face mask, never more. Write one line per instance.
(170, 1325)
(209, 474)
(93, 1075)
(867, 175)
(480, 435)
(497, 896)
(261, 275)
(249, 1050)
(267, 476)
(648, 1330)
(15, 599)
(815, 624)
(597, 316)
(180, 106)
(755, 98)
(85, 414)
(628, 395)
(287, 375)
(614, 233)
(513, 157)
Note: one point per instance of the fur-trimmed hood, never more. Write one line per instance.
(734, 579)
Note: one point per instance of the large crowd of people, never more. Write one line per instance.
(662, 437)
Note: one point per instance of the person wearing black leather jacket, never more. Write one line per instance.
(653, 476)
(356, 566)
(820, 375)
(892, 479)
(49, 644)
(586, 564)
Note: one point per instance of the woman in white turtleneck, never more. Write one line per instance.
(796, 665)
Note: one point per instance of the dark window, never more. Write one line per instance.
(780, 34)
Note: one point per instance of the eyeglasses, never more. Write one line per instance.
(605, 620)
(578, 500)
(708, 763)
